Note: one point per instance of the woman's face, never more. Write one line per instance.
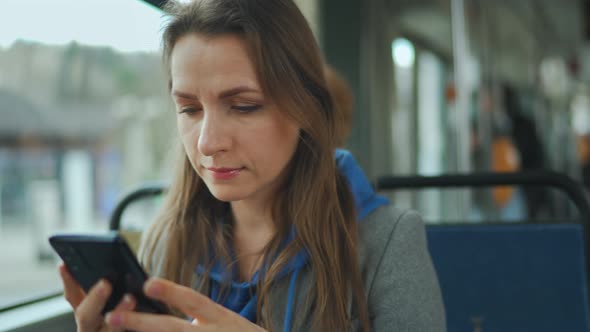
(236, 138)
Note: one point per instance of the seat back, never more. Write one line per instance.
(512, 277)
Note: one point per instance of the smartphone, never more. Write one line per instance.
(90, 258)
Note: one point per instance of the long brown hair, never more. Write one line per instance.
(314, 197)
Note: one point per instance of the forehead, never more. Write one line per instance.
(198, 61)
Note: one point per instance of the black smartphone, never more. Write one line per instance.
(90, 258)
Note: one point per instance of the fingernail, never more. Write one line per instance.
(127, 299)
(102, 287)
(114, 319)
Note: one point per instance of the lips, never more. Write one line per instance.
(223, 173)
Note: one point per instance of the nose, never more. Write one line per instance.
(213, 137)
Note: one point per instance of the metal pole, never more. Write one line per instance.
(463, 132)
(0, 202)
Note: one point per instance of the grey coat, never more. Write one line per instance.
(399, 279)
(400, 282)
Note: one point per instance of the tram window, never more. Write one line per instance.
(82, 108)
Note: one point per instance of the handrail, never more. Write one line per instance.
(487, 179)
(478, 179)
(142, 192)
(31, 300)
(552, 179)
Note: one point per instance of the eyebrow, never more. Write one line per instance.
(224, 94)
(237, 91)
(184, 95)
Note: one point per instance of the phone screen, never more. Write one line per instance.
(90, 258)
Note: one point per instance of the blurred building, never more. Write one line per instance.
(86, 119)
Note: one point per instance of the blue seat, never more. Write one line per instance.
(512, 277)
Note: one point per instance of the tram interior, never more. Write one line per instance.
(440, 87)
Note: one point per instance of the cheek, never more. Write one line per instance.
(189, 136)
(182, 125)
(290, 138)
(188, 130)
(289, 134)
(283, 139)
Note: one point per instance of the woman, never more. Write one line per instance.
(259, 231)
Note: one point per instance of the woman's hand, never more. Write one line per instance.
(208, 315)
(87, 307)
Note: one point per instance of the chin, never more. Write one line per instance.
(227, 195)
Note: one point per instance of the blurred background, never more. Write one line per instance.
(84, 117)
(440, 86)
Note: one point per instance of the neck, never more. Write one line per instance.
(252, 222)
(252, 231)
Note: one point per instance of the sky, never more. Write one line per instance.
(125, 25)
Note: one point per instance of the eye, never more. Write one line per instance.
(246, 108)
(189, 110)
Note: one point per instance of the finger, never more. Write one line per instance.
(72, 291)
(135, 321)
(185, 299)
(127, 304)
(88, 314)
